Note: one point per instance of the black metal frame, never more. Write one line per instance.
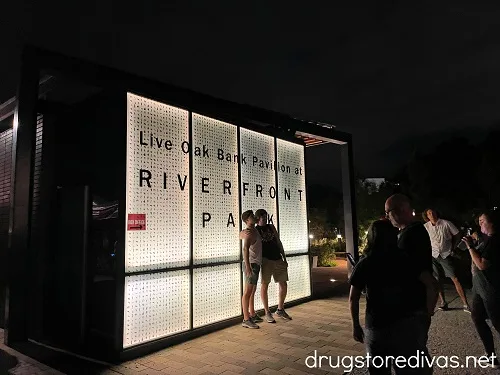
(263, 121)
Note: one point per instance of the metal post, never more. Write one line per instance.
(23, 150)
(349, 194)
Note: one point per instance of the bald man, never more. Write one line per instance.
(414, 239)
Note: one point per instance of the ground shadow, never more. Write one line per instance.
(7, 362)
(60, 361)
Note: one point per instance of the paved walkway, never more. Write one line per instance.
(13, 362)
(281, 348)
(321, 325)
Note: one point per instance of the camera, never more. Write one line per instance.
(462, 245)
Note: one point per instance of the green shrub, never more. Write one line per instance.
(325, 249)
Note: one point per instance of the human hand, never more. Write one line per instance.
(357, 333)
(244, 234)
(468, 241)
(248, 271)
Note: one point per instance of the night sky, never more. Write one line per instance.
(395, 77)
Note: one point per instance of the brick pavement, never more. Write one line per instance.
(281, 348)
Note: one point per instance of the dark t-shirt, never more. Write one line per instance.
(415, 241)
(487, 282)
(388, 277)
(270, 245)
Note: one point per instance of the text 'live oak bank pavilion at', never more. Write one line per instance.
(121, 206)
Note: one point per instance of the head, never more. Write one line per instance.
(261, 216)
(431, 215)
(248, 218)
(398, 210)
(489, 222)
(382, 236)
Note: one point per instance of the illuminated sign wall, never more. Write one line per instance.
(189, 178)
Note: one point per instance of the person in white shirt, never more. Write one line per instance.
(444, 238)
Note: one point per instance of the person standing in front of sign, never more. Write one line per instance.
(273, 264)
(252, 258)
(444, 238)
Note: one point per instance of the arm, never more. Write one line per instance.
(245, 234)
(478, 260)
(246, 257)
(354, 296)
(280, 244)
(455, 235)
(432, 290)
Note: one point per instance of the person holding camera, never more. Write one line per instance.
(486, 279)
(444, 238)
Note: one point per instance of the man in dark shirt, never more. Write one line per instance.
(387, 278)
(396, 321)
(415, 241)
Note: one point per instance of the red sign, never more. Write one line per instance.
(136, 222)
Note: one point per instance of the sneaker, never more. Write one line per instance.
(269, 318)
(256, 319)
(283, 314)
(467, 309)
(443, 307)
(495, 363)
(249, 324)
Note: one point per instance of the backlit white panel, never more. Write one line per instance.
(292, 197)
(299, 285)
(215, 191)
(156, 305)
(155, 134)
(258, 174)
(216, 294)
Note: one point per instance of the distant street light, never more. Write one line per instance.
(339, 236)
(311, 236)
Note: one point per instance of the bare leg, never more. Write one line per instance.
(460, 290)
(282, 295)
(264, 296)
(251, 305)
(441, 291)
(245, 300)
(437, 269)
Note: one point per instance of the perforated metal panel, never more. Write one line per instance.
(292, 200)
(258, 175)
(215, 191)
(299, 285)
(37, 176)
(156, 305)
(165, 200)
(216, 294)
(5, 184)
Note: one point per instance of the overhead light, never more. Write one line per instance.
(333, 280)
